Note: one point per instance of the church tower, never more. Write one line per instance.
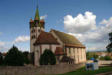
(36, 26)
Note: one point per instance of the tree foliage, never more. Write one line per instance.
(105, 58)
(90, 55)
(14, 57)
(109, 47)
(26, 59)
(31, 58)
(47, 58)
(1, 59)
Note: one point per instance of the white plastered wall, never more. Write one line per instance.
(78, 54)
(43, 47)
(36, 33)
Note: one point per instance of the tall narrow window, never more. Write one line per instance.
(69, 51)
(39, 30)
(33, 36)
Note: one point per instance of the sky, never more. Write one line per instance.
(88, 20)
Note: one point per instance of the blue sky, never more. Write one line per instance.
(15, 16)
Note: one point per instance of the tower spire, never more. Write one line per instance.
(37, 17)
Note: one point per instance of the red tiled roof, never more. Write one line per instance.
(45, 38)
(59, 51)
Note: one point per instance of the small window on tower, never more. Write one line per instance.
(33, 31)
(33, 36)
(39, 30)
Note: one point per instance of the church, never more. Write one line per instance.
(67, 48)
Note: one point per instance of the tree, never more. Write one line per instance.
(26, 59)
(109, 47)
(47, 58)
(1, 59)
(14, 57)
(95, 56)
(105, 58)
(90, 55)
(42, 60)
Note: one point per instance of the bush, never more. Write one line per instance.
(47, 58)
(102, 58)
(105, 58)
(1, 59)
(109, 46)
(90, 55)
(14, 57)
(26, 59)
(31, 58)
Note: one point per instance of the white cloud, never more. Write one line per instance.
(3, 47)
(96, 48)
(80, 23)
(97, 37)
(21, 48)
(107, 22)
(43, 17)
(2, 43)
(22, 39)
(103, 22)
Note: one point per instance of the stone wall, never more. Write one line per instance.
(103, 62)
(42, 70)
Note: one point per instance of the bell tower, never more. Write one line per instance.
(36, 26)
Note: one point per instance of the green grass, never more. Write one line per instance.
(82, 71)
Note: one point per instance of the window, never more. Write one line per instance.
(69, 51)
(33, 36)
(33, 31)
(74, 57)
(39, 30)
(77, 50)
(74, 50)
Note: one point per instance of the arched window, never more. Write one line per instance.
(33, 31)
(39, 30)
(33, 36)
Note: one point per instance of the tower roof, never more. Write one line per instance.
(37, 17)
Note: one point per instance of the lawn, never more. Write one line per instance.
(82, 71)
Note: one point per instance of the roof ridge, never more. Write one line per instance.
(64, 33)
